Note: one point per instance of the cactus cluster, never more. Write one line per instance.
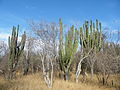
(67, 48)
(90, 40)
(91, 36)
(15, 47)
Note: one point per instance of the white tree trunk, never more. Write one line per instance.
(79, 65)
(92, 72)
(47, 74)
(79, 68)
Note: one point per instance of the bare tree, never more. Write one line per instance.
(28, 54)
(47, 65)
(104, 67)
(83, 57)
(47, 45)
(107, 62)
(3, 48)
(3, 57)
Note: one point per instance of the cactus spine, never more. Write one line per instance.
(15, 48)
(68, 49)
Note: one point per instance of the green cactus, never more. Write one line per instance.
(68, 49)
(15, 48)
(91, 36)
(91, 41)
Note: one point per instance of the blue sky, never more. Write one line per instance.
(14, 12)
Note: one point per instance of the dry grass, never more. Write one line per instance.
(35, 82)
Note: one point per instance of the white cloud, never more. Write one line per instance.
(4, 36)
(111, 31)
(6, 32)
(115, 31)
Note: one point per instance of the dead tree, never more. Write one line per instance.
(28, 54)
(46, 43)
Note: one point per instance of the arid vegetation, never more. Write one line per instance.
(52, 56)
(36, 82)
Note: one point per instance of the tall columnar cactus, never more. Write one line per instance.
(15, 48)
(90, 41)
(67, 49)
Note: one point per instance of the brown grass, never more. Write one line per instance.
(36, 82)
